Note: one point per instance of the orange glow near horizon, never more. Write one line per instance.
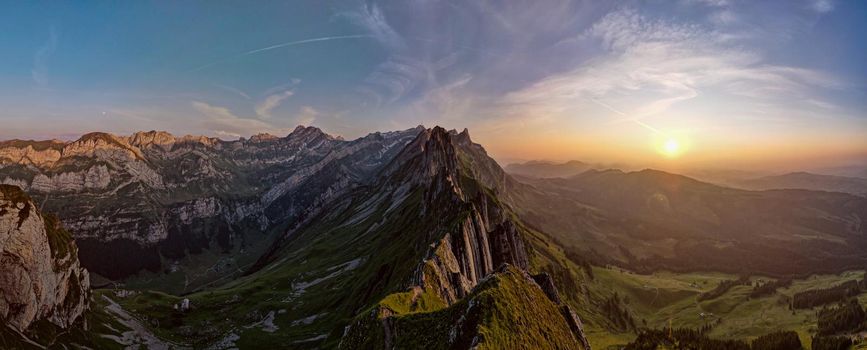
(678, 150)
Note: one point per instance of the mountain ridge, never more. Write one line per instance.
(807, 181)
(172, 197)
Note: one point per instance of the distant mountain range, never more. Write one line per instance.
(652, 220)
(146, 200)
(548, 169)
(543, 169)
(731, 178)
(807, 181)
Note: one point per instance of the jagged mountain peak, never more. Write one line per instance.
(153, 137)
(451, 154)
(98, 136)
(432, 152)
(308, 131)
(90, 143)
(462, 137)
(261, 137)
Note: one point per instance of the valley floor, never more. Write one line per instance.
(664, 298)
(123, 318)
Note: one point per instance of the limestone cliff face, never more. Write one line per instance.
(97, 177)
(102, 145)
(481, 239)
(462, 180)
(40, 277)
(31, 153)
(482, 242)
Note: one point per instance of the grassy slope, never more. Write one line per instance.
(513, 311)
(504, 311)
(665, 296)
(321, 280)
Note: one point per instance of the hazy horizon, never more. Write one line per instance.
(683, 84)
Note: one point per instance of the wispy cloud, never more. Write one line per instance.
(277, 46)
(40, 59)
(307, 116)
(396, 77)
(651, 65)
(822, 6)
(282, 87)
(371, 18)
(711, 3)
(264, 108)
(222, 121)
(233, 90)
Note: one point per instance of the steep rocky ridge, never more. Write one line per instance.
(152, 197)
(480, 237)
(420, 237)
(40, 277)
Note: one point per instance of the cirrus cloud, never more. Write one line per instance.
(264, 108)
(223, 122)
(650, 65)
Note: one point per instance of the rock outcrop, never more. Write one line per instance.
(40, 277)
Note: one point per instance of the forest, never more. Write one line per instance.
(818, 297)
(686, 338)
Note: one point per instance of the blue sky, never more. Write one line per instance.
(541, 79)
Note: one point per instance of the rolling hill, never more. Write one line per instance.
(653, 220)
(807, 181)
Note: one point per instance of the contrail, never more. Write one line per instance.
(643, 124)
(277, 46)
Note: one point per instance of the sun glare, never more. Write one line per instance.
(671, 148)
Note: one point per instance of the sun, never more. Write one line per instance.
(671, 148)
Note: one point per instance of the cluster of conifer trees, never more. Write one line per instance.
(847, 317)
(724, 287)
(686, 338)
(817, 297)
(769, 288)
(831, 343)
(615, 310)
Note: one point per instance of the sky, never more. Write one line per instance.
(719, 82)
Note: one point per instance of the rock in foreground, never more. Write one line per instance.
(40, 277)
